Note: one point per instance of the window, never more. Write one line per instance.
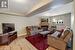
(3, 3)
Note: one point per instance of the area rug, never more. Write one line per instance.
(38, 41)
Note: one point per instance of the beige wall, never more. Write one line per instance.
(20, 22)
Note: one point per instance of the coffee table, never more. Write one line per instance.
(44, 33)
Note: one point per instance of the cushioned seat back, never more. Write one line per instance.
(66, 35)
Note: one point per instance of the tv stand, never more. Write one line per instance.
(7, 38)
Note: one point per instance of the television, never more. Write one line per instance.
(8, 27)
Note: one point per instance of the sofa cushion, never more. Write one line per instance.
(56, 34)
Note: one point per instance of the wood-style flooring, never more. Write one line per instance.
(21, 44)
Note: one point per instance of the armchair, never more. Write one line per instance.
(60, 43)
(31, 30)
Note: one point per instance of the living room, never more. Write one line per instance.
(54, 17)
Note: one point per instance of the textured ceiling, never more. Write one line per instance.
(67, 8)
(53, 5)
(22, 7)
(31, 7)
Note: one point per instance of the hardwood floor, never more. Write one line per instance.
(20, 44)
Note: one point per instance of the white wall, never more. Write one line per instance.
(20, 22)
(66, 18)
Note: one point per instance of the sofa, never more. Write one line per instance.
(60, 43)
